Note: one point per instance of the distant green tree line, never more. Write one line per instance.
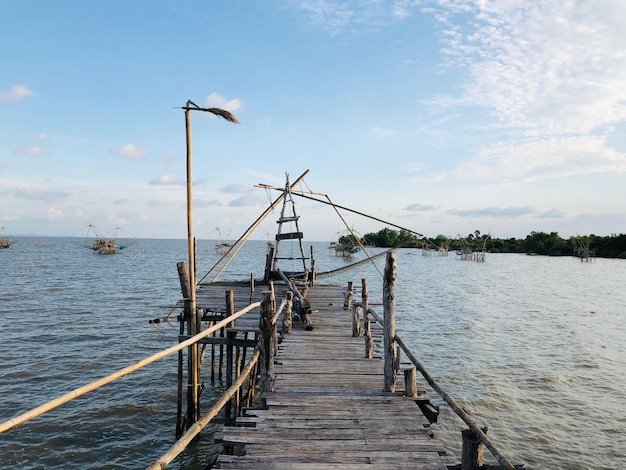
(540, 243)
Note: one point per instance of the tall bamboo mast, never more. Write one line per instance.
(193, 320)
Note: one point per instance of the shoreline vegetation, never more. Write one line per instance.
(536, 243)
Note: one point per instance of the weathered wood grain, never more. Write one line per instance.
(328, 408)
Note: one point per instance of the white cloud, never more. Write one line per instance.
(215, 100)
(55, 214)
(16, 93)
(130, 152)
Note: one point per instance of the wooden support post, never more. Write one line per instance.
(347, 304)
(268, 266)
(272, 296)
(183, 276)
(287, 322)
(472, 450)
(191, 318)
(230, 310)
(185, 287)
(369, 341)
(251, 286)
(237, 396)
(230, 306)
(213, 349)
(389, 332)
(364, 297)
(410, 382)
(396, 363)
(251, 385)
(194, 327)
(266, 360)
(356, 320)
(313, 273)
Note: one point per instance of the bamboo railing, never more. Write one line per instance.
(472, 438)
(22, 418)
(262, 358)
(182, 443)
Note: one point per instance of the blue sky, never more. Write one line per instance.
(444, 116)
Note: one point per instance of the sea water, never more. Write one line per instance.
(532, 347)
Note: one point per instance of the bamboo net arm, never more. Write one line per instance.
(17, 420)
(242, 239)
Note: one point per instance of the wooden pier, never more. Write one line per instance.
(328, 408)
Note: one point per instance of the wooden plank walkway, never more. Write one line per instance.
(328, 409)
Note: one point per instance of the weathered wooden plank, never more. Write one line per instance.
(328, 409)
(331, 446)
(331, 466)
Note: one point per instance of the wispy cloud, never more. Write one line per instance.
(130, 152)
(30, 151)
(420, 207)
(166, 180)
(37, 194)
(551, 214)
(237, 188)
(497, 212)
(383, 132)
(338, 16)
(551, 72)
(551, 157)
(247, 200)
(205, 203)
(16, 93)
(156, 203)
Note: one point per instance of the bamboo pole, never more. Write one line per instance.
(192, 326)
(337, 206)
(194, 430)
(17, 420)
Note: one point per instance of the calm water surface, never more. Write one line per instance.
(532, 347)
